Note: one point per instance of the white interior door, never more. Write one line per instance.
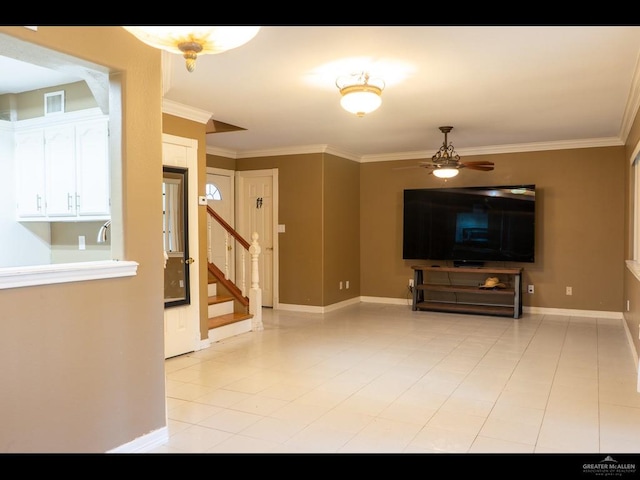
(220, 197)
(182, 323)
(257, 212)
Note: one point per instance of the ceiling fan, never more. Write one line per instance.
(446, 162)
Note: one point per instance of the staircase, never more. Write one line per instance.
(230, 311)
(224, 320)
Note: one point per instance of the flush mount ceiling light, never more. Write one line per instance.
(193, 41)
(360, 93)
(446, 162)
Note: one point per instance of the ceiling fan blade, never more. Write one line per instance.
(480, 162)
(483, 168)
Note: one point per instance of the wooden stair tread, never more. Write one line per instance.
(227, 319)
(214, 299)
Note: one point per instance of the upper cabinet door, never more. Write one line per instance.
(92, 167)
(59, 154)
(29, 157)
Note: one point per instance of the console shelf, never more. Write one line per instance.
(457, 289)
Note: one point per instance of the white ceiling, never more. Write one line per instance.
(23, 76)
(502, 89)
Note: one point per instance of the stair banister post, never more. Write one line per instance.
(255, 294)
(254, 250)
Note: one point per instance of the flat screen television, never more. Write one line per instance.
(470, 225)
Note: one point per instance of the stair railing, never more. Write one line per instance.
(253, 248)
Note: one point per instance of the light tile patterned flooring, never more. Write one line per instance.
(380, 378)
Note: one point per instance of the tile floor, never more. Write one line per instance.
(380, 378)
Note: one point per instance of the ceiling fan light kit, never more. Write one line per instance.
(444, 172)
(360, 93)
(191, 41)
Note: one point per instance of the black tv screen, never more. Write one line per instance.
(470, 224)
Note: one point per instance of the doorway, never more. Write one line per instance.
(182, 322)
(257, 211)
(220, 193)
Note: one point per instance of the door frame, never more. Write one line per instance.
(243, 211)
(192, 310)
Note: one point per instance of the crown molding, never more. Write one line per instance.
(185, 111)
(497, 149)
(301, 150)
(221, 152)
(633, 103)
(389, 157)
(294, 150)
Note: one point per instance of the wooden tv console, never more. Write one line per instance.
(457, 289)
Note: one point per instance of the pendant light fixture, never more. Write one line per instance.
(360, 93)
(191, 41)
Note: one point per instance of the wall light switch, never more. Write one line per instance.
(281, 228)
(202, 200)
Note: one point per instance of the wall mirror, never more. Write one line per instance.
(175, 236)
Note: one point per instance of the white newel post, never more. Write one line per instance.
(255, 294)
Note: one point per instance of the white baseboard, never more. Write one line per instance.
(144, 444)
(574, 313)
(312, 309)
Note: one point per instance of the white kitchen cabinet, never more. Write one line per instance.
(63, 171)
(60, 171)
(29, 157)
(93, 191)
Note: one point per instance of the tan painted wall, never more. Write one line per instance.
(579, 224)
(83, 362)
(300, 202)
(319, 200)
(221, 162)
(341, 233)
(77, 96)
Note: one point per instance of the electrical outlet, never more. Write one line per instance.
(530, 289)
(340, 285)
(411, 282)
(569, 291)
(81, 242)
(346, 284)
